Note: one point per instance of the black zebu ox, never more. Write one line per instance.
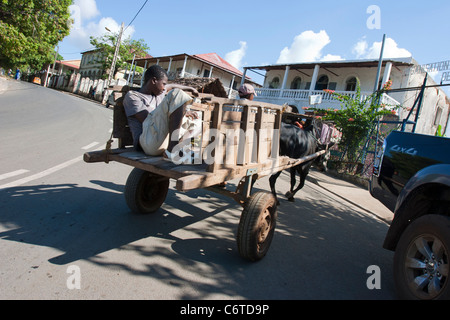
(297, 143)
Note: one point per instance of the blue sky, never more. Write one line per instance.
(251, 33)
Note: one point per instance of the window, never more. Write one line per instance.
(322, 83)
(351, 84)
(295, 85)
(275, 83)
(332, 86)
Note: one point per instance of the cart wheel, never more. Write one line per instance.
(257, 226)
(145, 192)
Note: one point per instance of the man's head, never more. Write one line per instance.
(155, 80)
(246, 91)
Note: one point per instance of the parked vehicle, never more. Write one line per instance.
(412, 178)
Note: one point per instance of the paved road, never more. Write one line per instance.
(61, 217)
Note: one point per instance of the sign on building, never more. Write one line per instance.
(316, 99)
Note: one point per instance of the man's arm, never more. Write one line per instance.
(141, 116)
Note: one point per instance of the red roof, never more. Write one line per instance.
(210, 58)
(215, 59)
(75, 64)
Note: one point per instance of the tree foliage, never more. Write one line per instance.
(30, 30)
(356, 118)
(128, 48)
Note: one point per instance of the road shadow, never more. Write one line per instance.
(83, 222)
(320, 250)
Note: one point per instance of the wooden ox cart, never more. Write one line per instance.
(246, 157)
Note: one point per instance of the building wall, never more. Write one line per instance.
(435, 109)
(339, 76)
(338, 79)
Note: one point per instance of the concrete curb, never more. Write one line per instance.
(351, 192)
(363, 183)
(79, 96)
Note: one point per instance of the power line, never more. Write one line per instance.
(137, 14)
(123, 30)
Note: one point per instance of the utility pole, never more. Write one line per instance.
(53, 68)
(113, 65)
(131, 68)
(380, 64)
(377, 101)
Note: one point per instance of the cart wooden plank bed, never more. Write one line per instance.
(247, 157)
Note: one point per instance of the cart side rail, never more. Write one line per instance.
(238, 133)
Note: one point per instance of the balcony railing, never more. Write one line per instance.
(290, 95)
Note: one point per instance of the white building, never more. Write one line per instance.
(209, 65)
(92, 64)
(294, 84)
(66, 68)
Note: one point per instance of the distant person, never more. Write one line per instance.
(17, 77)
(156, 111)
(246, 91)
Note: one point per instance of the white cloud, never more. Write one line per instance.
(360, 48)
(331, 57)
(97, 29)
(88, 8)
(391, 50)
(82, 12)
(235, 58)
(307, 47)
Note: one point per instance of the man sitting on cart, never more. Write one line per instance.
(156, 111)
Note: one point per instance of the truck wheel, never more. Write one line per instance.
(421, 260)
(145, 192)
(257, 226)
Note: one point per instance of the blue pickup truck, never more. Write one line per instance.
(412, 178)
